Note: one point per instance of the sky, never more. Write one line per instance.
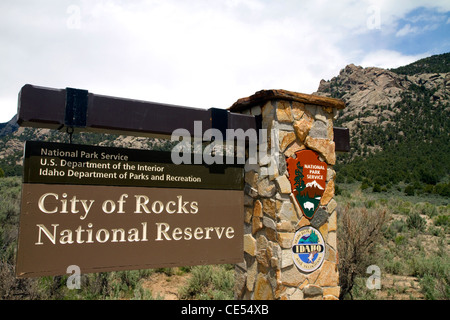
(207, 53)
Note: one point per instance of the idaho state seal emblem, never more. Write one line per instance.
(308, 249)
(307, 175)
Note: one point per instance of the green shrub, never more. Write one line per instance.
(415, 221)
(394, 266)
(360, 232)
(209, 283)
(376, 188)
(434, 275)
(403, 208)
(442, 220)
(399, 240)
(396, 227)
(443, 189)
(369, 204)
(429, 210)
(409, 190)
(435, 289)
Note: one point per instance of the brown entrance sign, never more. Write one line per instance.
(106, 209)
(102, 228)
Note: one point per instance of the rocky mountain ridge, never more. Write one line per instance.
(399, 123)
(366, 90)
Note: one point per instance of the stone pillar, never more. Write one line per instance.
(273, 215)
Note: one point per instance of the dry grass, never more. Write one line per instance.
(360, 229)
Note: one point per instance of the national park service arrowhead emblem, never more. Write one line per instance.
(307, 175)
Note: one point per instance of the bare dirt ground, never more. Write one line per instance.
(396, 287)
(165, 287)
(393, 287)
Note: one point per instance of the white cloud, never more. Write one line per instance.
(407, 29)
(197, 53)
(389, 59)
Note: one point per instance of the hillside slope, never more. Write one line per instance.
(399, 123)
(439, 63)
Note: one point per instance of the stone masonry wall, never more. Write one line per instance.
(272, 215)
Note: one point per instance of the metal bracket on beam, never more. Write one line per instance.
(76, 108)
(219, 120)
(342, 139)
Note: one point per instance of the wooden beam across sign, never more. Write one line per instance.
(81, 110)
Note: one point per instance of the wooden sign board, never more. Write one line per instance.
(108, 209)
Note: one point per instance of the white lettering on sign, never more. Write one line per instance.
(163, 232)
(87, 235)
(51, 203)
(74, 204)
